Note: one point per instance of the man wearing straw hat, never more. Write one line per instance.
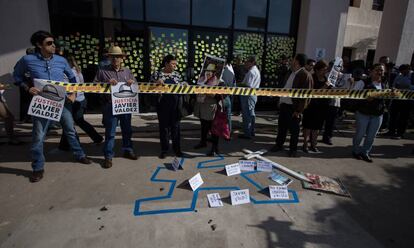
(113, 74)
(45, 64)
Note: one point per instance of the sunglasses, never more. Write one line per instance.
(49, 43)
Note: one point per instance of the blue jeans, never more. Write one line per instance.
(368, 126)
(248, 104)
(227, 105)
(39, 131)
(110, 123)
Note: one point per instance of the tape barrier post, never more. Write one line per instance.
(150, 88)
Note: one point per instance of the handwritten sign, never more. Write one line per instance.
(240, 197)
(233, 169)
(196, 181)
(264, 166)
(278, 192)
(214, 200)
(49, 103)
(124, 99)
(247, 165)
(282, 180)
(176, 164)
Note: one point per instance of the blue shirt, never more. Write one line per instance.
(49, 69)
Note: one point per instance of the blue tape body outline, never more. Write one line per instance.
(200, 165)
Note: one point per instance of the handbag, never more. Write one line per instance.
(220, 126)
(185, 105)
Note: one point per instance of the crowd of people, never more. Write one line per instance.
(298, 72)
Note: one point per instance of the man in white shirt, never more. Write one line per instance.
(248, 103)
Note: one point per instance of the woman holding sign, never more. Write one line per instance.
(167, 107)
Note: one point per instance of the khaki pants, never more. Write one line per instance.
(8, 118)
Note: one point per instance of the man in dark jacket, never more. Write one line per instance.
(291, 108)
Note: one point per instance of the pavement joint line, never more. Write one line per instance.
(192, 208)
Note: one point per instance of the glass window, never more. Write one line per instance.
(276, 48)
(250, 15)
(279, 16)
(166, 41)
(212, 13)
(126, 9)
(248, 44)
(87, 8)
(211, 43)
(167, 11)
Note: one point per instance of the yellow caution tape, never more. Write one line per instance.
(148, 88)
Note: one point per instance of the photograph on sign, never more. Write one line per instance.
(240, 197)
(49, 103)
(176, 164)
(196, 181)
(214, 200)
(335, 71)
(325, 184)
(211, 71)
(278, 192)
(279, 178)
(264, 166)
(124, 99)
(247, 165)
(232, 169)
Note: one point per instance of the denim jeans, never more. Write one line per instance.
(110, 123)
(248, 104)
(39, 131)
(227, 105)
(368, 126)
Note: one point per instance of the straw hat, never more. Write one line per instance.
(211, 67)
(115, 51)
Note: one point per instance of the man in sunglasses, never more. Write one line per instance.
(45, 64)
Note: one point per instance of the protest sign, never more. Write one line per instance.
(264, 166)
(276, 177)
(214, 200)
(212, 71)
(335, 71)
(49, 103)
(278, 192)
(233, 169)
(196, 181)
(325, 184)
(239, 197)
(247, 165)
(176, 164)
(124, 99)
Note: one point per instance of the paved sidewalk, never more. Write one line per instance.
(79, 205)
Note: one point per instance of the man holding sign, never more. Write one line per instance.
(44, 64)
(121, 79)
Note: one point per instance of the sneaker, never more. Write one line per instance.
(327, 141)
(356, 155)
(107, 163)
(314, 149)
(36, 176)
(366, 158)
(305, 149)
(130, 155)
(163, 155)
(277, 148)
(84, 160)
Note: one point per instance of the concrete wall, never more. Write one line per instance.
(19, 19)
(396, 37)
(362, 29)
(322, 25)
